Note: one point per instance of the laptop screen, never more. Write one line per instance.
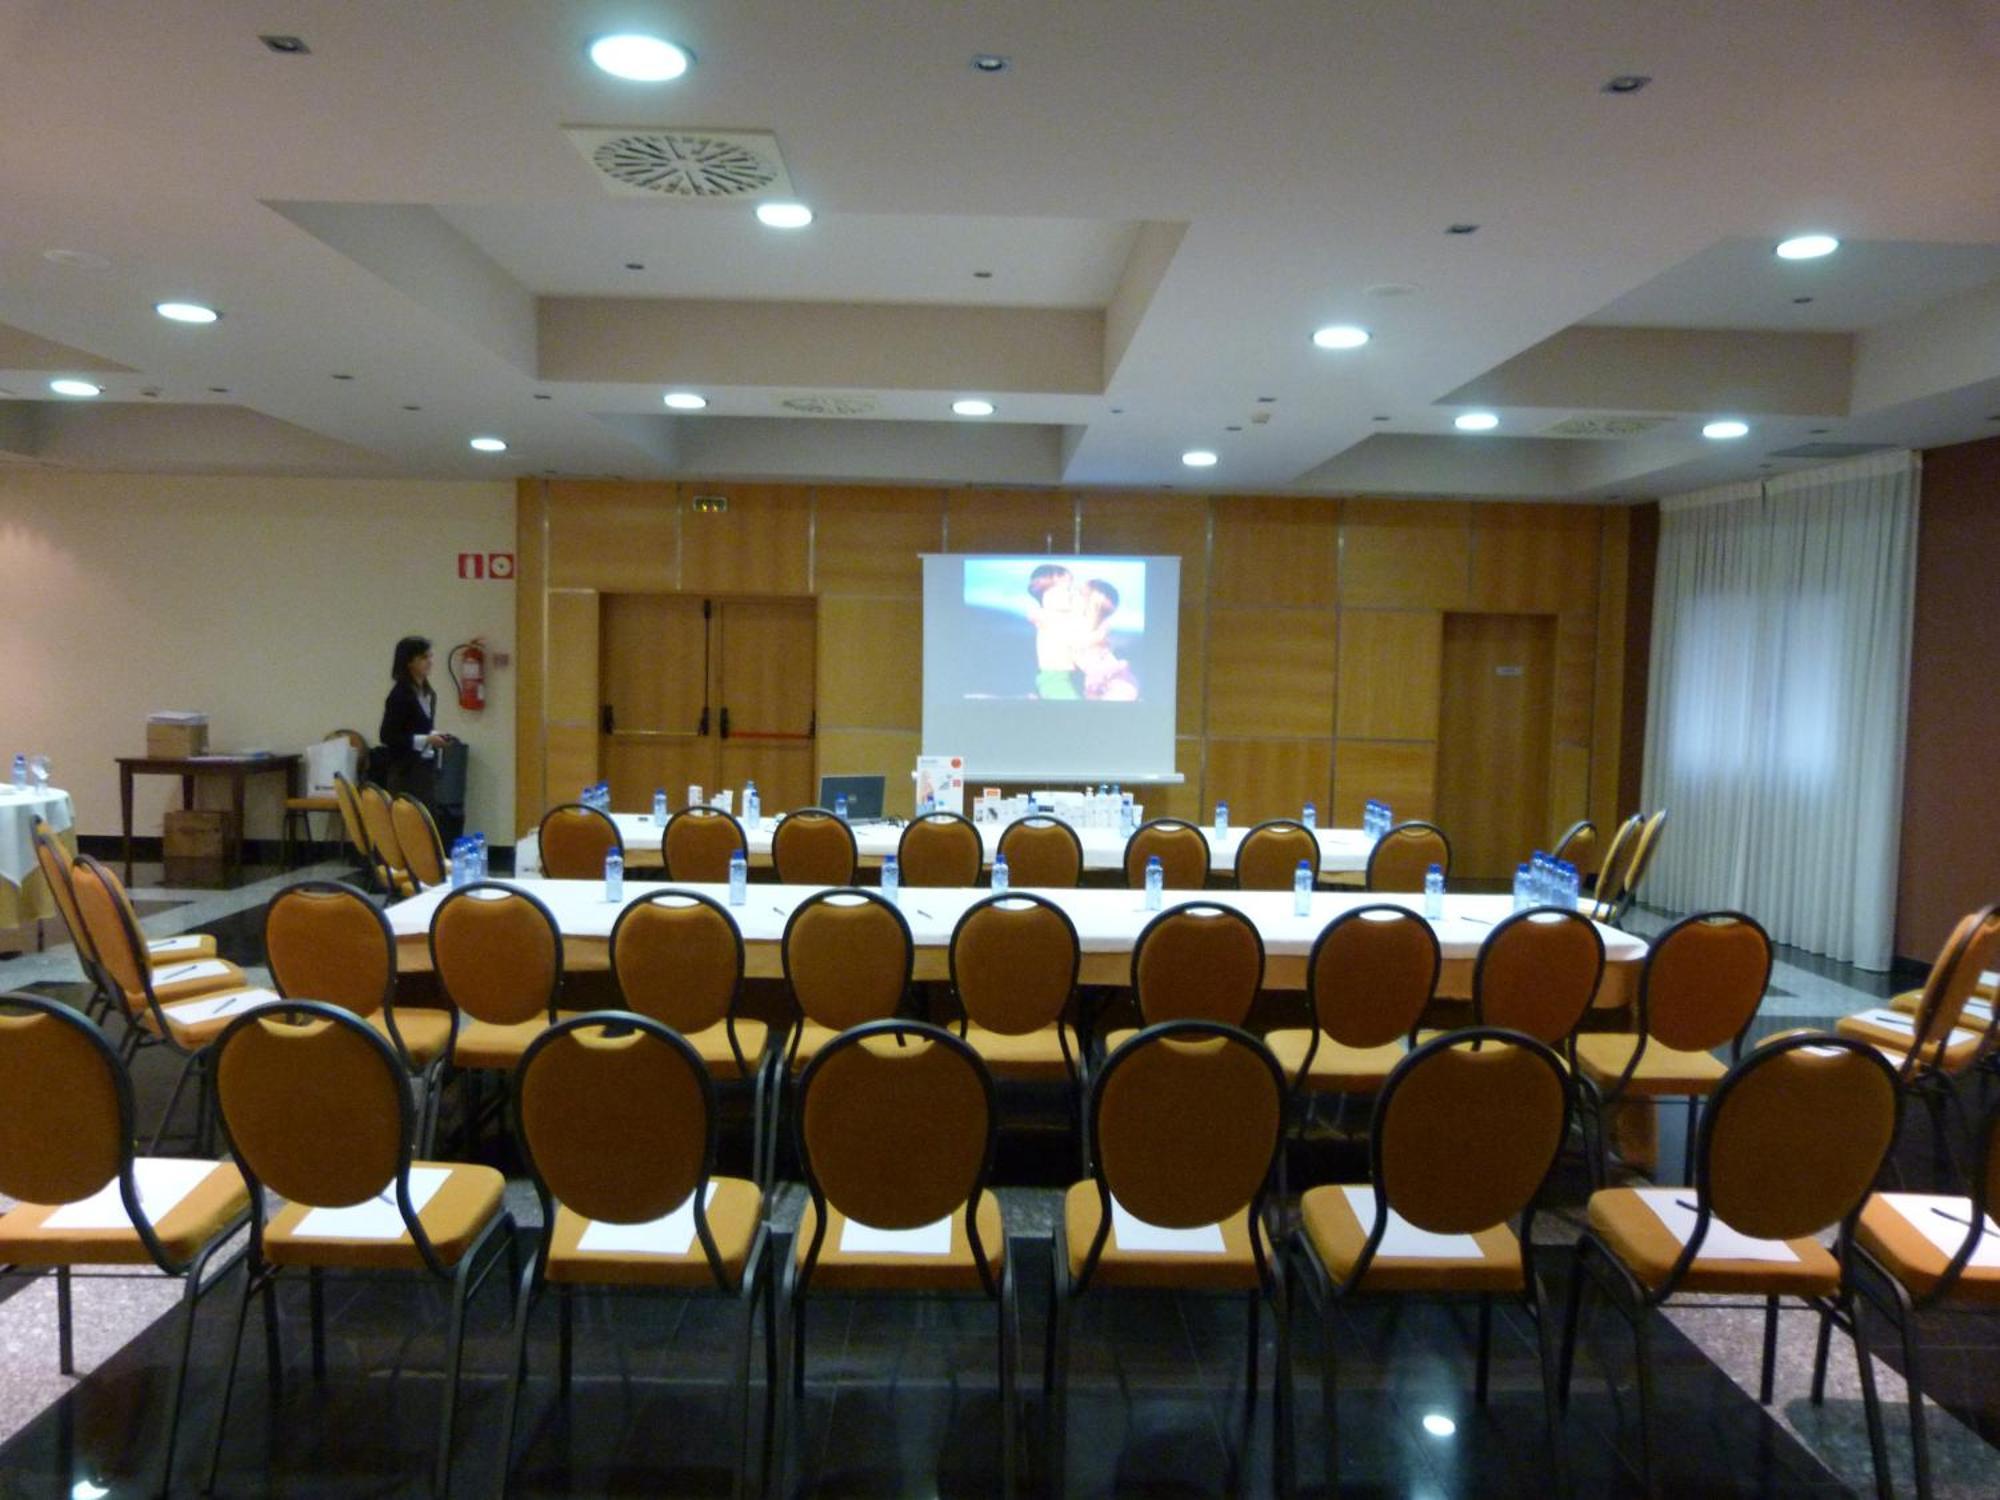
(863, 793)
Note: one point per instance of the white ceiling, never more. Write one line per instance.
(1171, 193)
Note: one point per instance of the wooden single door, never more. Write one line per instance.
(1493, 740)
(764, 694)
(654, 724)
(569, 728)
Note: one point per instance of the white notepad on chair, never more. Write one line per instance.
(1945, 1221)
(163, 1182)
(188, 973)
(377, 1218)
(168, 947)
(1135, 1236)
(1402, 1240)
(857, 1238)
(193, 1012)
(1721, 1242)
(670, 1234)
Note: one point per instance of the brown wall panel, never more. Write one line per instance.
(869, 650)
(1396, 553)
(871, 541)
(1569, 791)
(1389, 683)
(1402, 775)
(1163, 526)
(572, 765)
(613, 536)
(1534, 559)
(759, 545)
(1010, 521)
(530, 679)
(1275, 552)
(1575, 706)
(1271, 671)
(1608, 690)
(1268, 778)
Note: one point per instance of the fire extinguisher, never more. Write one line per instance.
(467, 665)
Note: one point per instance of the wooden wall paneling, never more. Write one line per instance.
(572, 660)
(762, 544)
(1163, 526)
(1389, 666)
(1271, 671)
(1569, 793)
(614, 536)
(636, 765)
(1494, 762)
(1607, 716)
(652, 658)
(1399, 772)
(1534, 559)
(530, 584)
(871, 541)
(870, 662)
(1575, 702)
(1271, 552)
(573, 764)
(1268, 778)
(857, 752)
(1010, 521)
(762, 647)
(1398, 553)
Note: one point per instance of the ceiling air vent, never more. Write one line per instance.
(830, 406)
(1604, 427)
(1830, 450)
(689, 164)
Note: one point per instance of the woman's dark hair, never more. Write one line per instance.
(408, 649)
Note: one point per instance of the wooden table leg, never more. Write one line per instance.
(236, 779)
(125, 815)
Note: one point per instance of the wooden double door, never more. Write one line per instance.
(687, 692)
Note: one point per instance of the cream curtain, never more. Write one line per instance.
(1777, 699)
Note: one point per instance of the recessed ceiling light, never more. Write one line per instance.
(638, 58)
(990, 62)
(489, 444)
(186, 312)
(1475, 421)
(1729, 427)
(286, 46)
(65, 386)
(685, 400)
(1461, 229)
(1198, 458)
(1437, 1424)
(1807, 247)
(973, 406)
(784, 215)
(1341, 336)
(1625, 83)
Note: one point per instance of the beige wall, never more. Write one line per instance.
(270, 604)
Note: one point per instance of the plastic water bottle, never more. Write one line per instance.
(892, 878)
(659, 804)
(1222, 817)
(1385, 817)
(1302, 889)
(1128, 820)
(478, 856)
(458, 863)
(739, 879)
(1538, 879)
(750, 804)
(614, 875)
(1000, 876)
(1524, 887)
(840, 807)
(1311, 818)
(1572, 885)
(1156, 881)
(1434, 891)
(20, 772)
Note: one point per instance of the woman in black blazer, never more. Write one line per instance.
(410, 741)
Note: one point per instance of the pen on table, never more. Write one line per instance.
(921, 912)
(177, 973)
(1953, 1217)
(1683, 1203)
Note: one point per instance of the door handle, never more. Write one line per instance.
(725, 721)
(702, 727)
(607, 719)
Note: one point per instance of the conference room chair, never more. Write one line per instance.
(1789, 1146)
(895, 1136)
(1537, 972)
(1644, 846)
(55, 859)
(1699, 989)
(1578, 846)
(82, 1198)
(353, 825)
(181, 1007)
(1042, 852)
(616, 1116)
(1403, 856)
(1466, 1132)
(1198, 961)
(678, 959)
(1933, 1048)
(299, 810)
(325, 940)
(940, 849)
(1916, 1253)
(317, 1110)
(417, 836)
(1181, 848)
(1269, 856)
(1611, 872)
(498, 956)
(1014, 959)
(1372, 973)
(1186, 1120)
(811, 846)
(385, 849)
(574, 840)
(847, 956)
(698, 843)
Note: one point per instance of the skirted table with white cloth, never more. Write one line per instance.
(24, 895)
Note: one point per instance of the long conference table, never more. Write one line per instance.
(1342, 851)
(1108, 923)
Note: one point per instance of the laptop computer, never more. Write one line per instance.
(863, 793)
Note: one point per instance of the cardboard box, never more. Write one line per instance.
(176, 738)
(197, 845)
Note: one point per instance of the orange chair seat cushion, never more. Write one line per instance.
(733, 1216)
(1635, 1234)
(425, 1033)
(196, 1034)
(464, 1204)
(955, 1271)
(1336, 1068)
(1912, 1259)
(1960, 1052)
(1337, 1236)
(1235, 1269)
(1028, 1057)
(811, 1040)
(1602, 1056)
(212, 1204)
(712, 1044)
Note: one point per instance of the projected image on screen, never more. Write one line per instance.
(1056, 631)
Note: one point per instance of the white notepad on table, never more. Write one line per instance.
(670, 1234)
(168, 947)
(1895, 1020)
(857, 1238)
(191, 1012)
(1721, 1242)
(163, 1181)
(188, 973)
(1134, 1235)
(377, 1218)
(1402, 1240)
(1927, 1214)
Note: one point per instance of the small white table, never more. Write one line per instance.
(24, 896)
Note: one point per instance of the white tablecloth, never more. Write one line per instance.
(18, 811)
(1342, 850)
